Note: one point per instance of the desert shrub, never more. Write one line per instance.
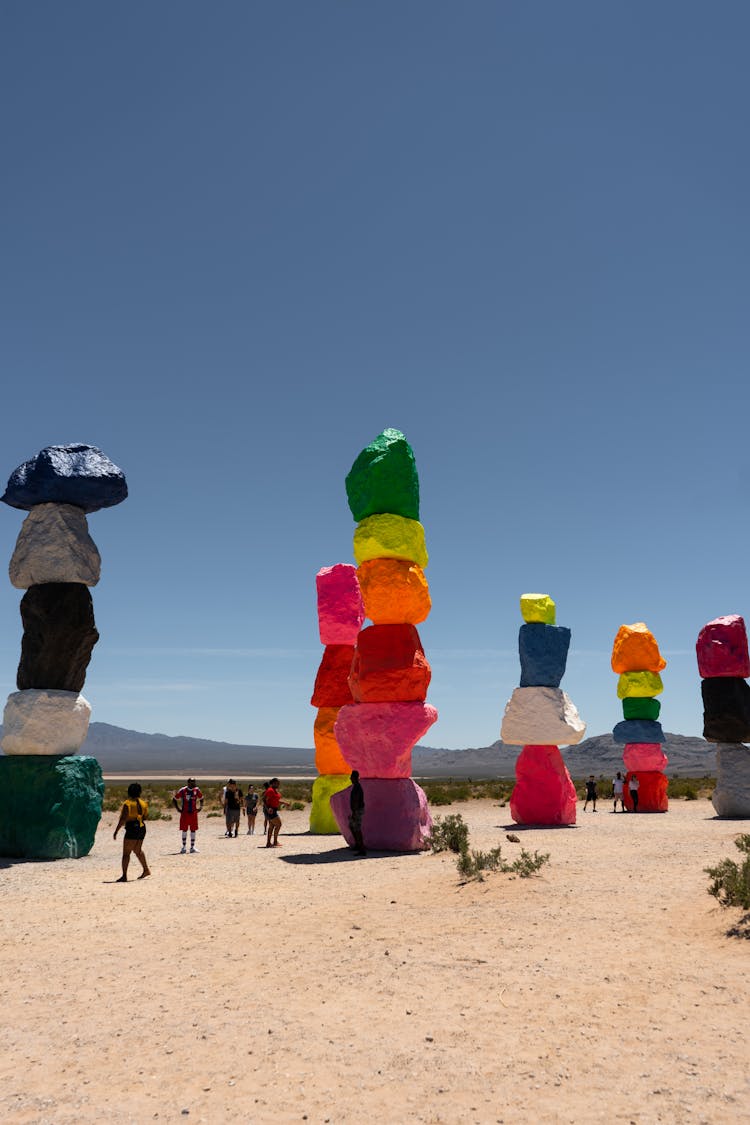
(450, 834)
(472, 864)
(297, 806)
(730, 881)
(527, 864)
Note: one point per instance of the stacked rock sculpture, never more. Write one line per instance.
(52, 796)
(540, 718)
(637, 661)
(389, 673)
(340, 617)
(724, 666)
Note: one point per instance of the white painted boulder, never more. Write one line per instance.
(45, 722)
(54, 545)
(542, 716)
(731, 797)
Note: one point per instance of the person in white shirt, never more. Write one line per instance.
(618, 787)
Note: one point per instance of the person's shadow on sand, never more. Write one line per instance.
(534, 827)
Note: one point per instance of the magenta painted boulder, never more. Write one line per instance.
(397, 816)
(341, 612)
(722, 648)
(377, 738)
(544, 792)
(644, 756)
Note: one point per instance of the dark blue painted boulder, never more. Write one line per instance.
(638, 730)
(543, 650)
(67, 474)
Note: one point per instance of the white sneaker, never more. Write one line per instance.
(183, 849)
(193, 850)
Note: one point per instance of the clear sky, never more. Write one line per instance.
(239, 239)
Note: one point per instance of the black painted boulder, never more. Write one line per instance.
(67, 474)
(59, 633)
(51, 806)
(726, 709)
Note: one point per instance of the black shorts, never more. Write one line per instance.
(271, 814)
(134, 830)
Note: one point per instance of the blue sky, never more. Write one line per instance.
(240, 239)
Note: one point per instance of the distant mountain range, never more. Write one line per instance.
(128, 751)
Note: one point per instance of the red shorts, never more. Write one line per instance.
(188, 820)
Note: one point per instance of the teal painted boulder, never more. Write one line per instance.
(51, 805)
(384, 479)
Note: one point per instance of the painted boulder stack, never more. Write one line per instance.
(389, 674)
(638, 663)
(540, 717)
(724, 665)
(340, 617)
(53, 795)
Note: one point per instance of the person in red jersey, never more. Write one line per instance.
(273, 803)
(188, 801)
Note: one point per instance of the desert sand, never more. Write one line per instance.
(303, 984)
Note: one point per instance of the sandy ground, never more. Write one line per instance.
(303, 984)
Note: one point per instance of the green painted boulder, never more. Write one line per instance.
(384, 479)
(635, 708)
(51, 805)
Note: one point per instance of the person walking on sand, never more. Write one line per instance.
(132, 815)
(633, 787)
(591, 792)
(188, 801)
(273, 804)
(265, 806)
(356, 812)
(618, 788)
(232, 808)
(251, 809)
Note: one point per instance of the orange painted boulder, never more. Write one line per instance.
(544, 792)
(328, 756)
(635, 650)
(652, 794)
(332, 681)
(394, 591)
(389, 665)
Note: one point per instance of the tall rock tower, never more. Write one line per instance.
(637, 661)
(52, 795)
(724, 666)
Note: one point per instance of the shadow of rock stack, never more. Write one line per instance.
(389, 673)
(540, 718)
(724, 665)
(52, 795)
(340, 617)
(637, 661)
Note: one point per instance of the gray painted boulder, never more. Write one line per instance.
(51, 806)
(45, 722)
(731, 797)
(59, 634)
(541, 716)
(67, 474)
(54, 545)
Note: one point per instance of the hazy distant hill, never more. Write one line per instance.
(122, 751)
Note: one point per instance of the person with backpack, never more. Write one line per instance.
(132, 816)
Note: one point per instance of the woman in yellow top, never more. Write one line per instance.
(132, 814)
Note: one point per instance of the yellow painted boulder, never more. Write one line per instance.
(390, 536)
(538, 607)
(635, 650)
(322, 821)
(328, 756)
(394, 591)
(639, 685)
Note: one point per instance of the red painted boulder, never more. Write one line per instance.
(722, 648)
(544, 792)
(652, 794)
(396, 819)
(389, 665)
(644, 756)
(341, 613)
(377, 738)
(332, 681)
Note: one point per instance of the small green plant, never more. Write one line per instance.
(730, 881)
(450, 834)
(297, 806)
(527, 864)
(472, 864)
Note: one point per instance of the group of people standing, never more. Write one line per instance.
(618, 792)
(236, 805)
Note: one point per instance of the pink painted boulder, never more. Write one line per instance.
(377, 738)
(544, 792)
(397, 817)
(644, 756)
(722, 648)
(341, 612)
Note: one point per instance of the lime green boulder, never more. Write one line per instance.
(51, 805)
(389, 536)
(538, 607)
(634, 707)
(639, 684)
(322, 822)
(384, 479)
